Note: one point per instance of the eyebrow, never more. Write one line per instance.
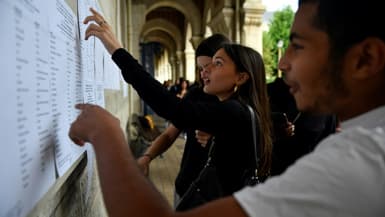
(204, 65)
(219, 57)
(294, 35)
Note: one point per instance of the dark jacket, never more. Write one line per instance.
(229, 121)
(310, 129)
(194, 155)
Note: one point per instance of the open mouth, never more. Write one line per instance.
(206, 81)
(293, 89)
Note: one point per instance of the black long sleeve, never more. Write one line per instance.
(183, 113)
(229, 120)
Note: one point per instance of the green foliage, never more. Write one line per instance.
(279, 29)
(268, 58)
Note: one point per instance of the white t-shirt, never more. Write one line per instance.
(343, 176)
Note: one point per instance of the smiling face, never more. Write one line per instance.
(220, 77)
(314, 81)
(203, 64)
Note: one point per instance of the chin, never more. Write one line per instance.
(207, 90)
(312, 109)
(304, 107)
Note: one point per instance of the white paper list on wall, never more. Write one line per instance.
(43, 78)
(87, 53)
(67, 83)
(27, 161)
(112, 75)
(92, 75)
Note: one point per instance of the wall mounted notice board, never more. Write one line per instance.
(46, 68)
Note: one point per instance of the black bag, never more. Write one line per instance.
(204, 188)
(250, 177)
(207, 187)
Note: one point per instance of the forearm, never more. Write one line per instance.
(125, 190)
(163, 142)
(164, 103)
(160, 145)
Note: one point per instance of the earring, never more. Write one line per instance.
(235, 88)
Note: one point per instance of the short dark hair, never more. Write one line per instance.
(209, 46)
(347, 22)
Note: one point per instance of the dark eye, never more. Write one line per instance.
(296, 46)
(218, 63)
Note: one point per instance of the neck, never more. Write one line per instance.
(360, 107)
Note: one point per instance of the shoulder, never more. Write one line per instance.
(358, 138)
(234, 111)
(196, 93)
(224, 112)
(234, 106)
(354, 149)
(193, 92)
(332, 177)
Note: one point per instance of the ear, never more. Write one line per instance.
(368, 58)
(242, 78)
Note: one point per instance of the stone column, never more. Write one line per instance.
(221, 22)
(195, 40)
(180, 61)
(137, 21)
(218, 25)
(173, 64)
(252, 27)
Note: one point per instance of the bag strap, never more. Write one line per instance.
(212, 144)
(199, 177)
(211, 150)
(254, 130)
(253, 123)
(208, 161)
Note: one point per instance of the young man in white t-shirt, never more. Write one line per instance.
(335, 63)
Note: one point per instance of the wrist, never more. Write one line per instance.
(114, 48)
(116, 139)
(147, 155)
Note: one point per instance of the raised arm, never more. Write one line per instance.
(210, 117)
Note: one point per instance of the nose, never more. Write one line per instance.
(203, 72)
(205, 68)
(283, 64)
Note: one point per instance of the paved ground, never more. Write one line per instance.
(164, 170)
